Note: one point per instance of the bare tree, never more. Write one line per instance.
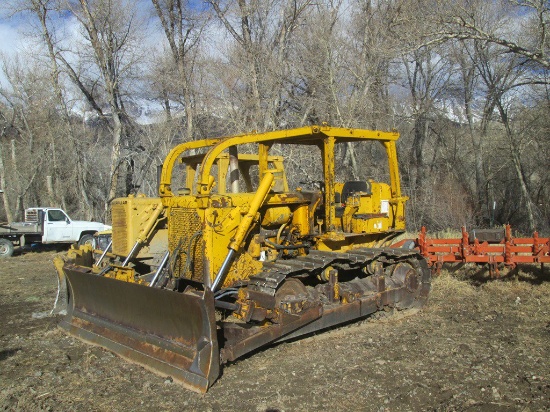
(25, 111)
(461, 21)
(182, 28)
(5, 123)
(502, 77)
(110, 29)
(428, 74)
(464, 56)
(41, 10)
(263, 34)
(245, 65)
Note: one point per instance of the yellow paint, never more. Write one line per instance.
(204, 220)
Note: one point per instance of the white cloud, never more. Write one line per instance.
(11, 42)
(11, 39)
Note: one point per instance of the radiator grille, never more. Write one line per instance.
(120, 229)
(184, 232)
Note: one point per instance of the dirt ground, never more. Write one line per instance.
(478, 345)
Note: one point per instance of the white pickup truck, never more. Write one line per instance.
(46, 225)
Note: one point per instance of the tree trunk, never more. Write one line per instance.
(420, 136)
(40, 8)
(115, 161)
(49, 188)
(516, 160)
(482, 200)
(4, 187)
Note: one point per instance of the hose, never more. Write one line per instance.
(287, 247)
(174, 257)
(280, 231)
(225, 292)
(189, 254)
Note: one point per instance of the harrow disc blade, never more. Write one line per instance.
(170, 333)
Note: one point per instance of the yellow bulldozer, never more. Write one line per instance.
(228, 259)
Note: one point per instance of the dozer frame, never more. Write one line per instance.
(207, 273)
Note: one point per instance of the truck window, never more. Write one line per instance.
(56, 216)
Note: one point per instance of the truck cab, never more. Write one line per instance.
(58, 227)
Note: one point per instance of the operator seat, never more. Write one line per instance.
(354, 186)
(349, 188)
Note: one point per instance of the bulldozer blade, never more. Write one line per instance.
(170, 333)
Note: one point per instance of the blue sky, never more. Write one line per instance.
(11, 38)
(12, 28)
(15, 30)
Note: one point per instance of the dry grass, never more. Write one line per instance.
(478, 344)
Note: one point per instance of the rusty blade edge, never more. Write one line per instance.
(162, 368)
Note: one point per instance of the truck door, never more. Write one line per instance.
(57, 227)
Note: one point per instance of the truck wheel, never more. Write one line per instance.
(87, 240)
(6, 248)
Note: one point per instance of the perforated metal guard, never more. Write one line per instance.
(185, 225)
(120, 229)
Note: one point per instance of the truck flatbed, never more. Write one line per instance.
(20, 228)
